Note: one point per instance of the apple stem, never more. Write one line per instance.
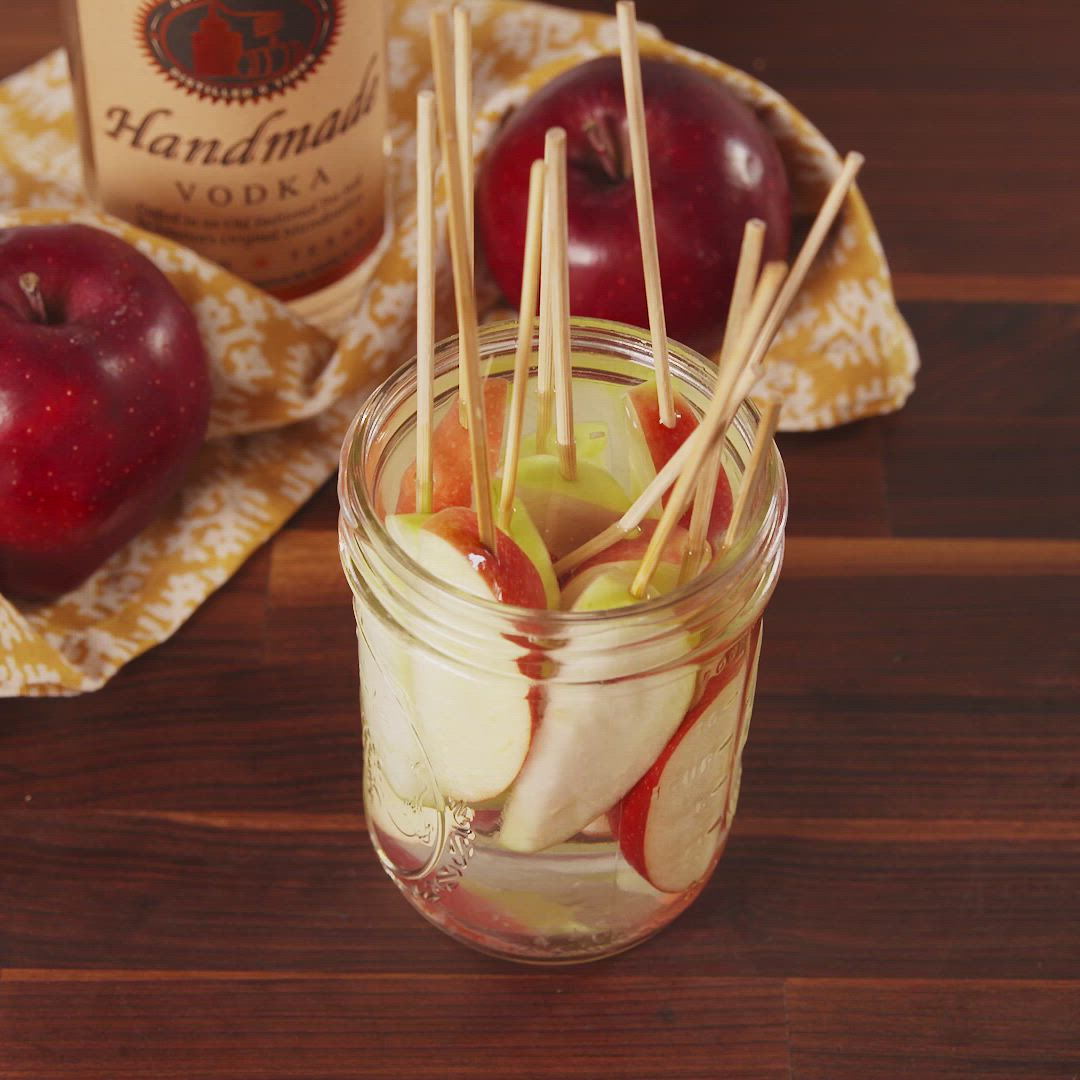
(30, 284)
(604, 139)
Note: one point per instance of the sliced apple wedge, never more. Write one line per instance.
(652, 444)
(527, 536)
(475, 725)
(671, 822)
(448, 545)
(405, 530)
(568, 512)
(451, 470)
(626, 555)
(590, 439)
(602, 725)
(386, 705)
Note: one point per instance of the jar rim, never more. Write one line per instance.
(359, 510)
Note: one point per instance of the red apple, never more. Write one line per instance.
(670, 822)
(451, 465)
(661, 442)
(104, 401)
(713, 164)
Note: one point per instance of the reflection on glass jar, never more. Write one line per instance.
(552, 786)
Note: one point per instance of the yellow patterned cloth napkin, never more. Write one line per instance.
(284, 393)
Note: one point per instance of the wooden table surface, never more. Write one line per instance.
(186, 887)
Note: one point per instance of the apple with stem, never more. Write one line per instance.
(714, 166)
(474, 724)
(104, 401)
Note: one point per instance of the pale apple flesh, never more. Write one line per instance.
(568, 512)
(475, 723)
(602, 723)
(674, 821)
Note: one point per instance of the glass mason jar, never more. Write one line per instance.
(624, 727)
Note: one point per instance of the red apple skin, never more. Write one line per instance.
(632, 813)
(664, 441)
(105, 402)
(451, 469)
(713, 167)
(508, 572)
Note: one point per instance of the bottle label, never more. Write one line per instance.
(248, 130)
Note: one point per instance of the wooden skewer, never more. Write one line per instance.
(530, 273)
(465, 299)
(639, 509)
(742, 291)
(830, 208)
(559, 292)
(639, 157)
(463, 110)
(545, 362)
(729, 393)
(425, 294)
(637, 512)
(738, 372)
(763, 438)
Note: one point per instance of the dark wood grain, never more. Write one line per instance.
(1019, 1030)
(972, 639)
(186, 885)
(280, 892)
(546, 1026)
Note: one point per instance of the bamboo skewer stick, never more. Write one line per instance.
(763, 438)
(639, 157)
(735, 378)
(830, 208)
(545, 362)
(465, 299)
(741, 375)
(705, 496)
(559, 292)
(463, 111)
(529, 278)
(726, 400)
(650, 495)
(425, 294)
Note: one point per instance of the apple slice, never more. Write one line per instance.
(671, 822)
(386, 707)
(626, 555)
(660, 442)
(527, 536)
(448, 545)
(451, 469)
(590, 439)
(568, 512)
(602, 725)
(475, 725)
(404, 530)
